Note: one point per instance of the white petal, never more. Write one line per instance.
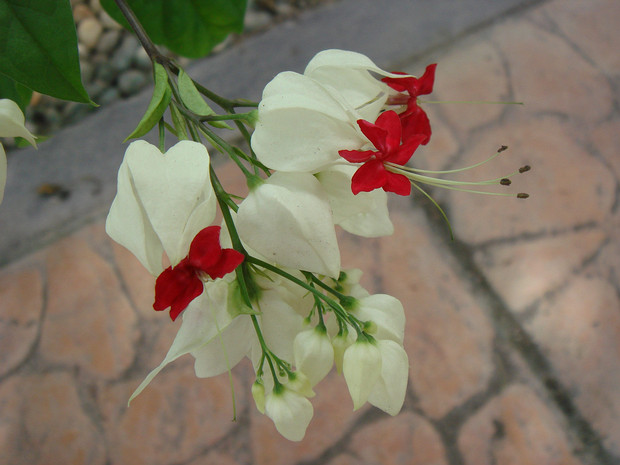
(314, 354)
(204, 317)
(287, 219)
(386, 312)
(175, 191)
(388, 393)
(362, 368)
(290, 412)
(302, 125)
(365, 214)
(12, 121)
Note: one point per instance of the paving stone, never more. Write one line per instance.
(592, 28)
(578, 330)
(174, 419)
(606, 139)
(42, 423)
(333, 416)
(568, 187)
(523, 272)
(474, 71)
(406, 439)
(538, 59)
(21, 303)
(89, 322)
(215, 458)
(515, 427)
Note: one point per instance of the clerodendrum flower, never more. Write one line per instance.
(177, 286)
(11, 125)
(386, 135)
(287, 219)
(162, 202)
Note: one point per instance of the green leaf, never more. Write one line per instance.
(194, 101)
(157, 106)
(190, 28)
(38, 47)
(15, 91)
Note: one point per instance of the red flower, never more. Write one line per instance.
(177, 287)
(414, 118)
(385, 135)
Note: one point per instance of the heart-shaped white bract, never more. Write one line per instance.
(162, 202)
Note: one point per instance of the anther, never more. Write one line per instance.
(505, 182)
(502, 148)
(522, 195)
(525, 168)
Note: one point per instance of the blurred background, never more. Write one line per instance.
(513, 328)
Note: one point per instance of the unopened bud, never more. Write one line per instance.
(258, 392)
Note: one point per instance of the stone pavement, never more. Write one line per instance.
(513, 329)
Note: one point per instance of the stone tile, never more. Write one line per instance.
(344, 459)
(404, 439)
(567, 186)
(606, 138)
(447, 335)
(42, 423)
(592, 27)
(21, 304)
(579, 330)
(174, 419)
(215, 458)
(515, 427)
(538, 61)
(333, 416)
(525, 271)
(89, 322)
(472, 71)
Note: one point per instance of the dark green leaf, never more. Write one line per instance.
(159, 102)
(38, 47)
(190, 28)
(15, 91)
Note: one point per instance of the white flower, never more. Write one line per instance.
(163, 201)
(302, 125)
(387, 314)
(388, 392)
(350, 74)
(362, 368)
(287, 219)
(290, 411)
(365, 214)
(11, 125)
(314, 353)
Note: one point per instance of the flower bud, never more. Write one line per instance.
(258, 392)
(362, 368)
(290, 412)
(314, 354)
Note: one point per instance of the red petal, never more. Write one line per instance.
(390, 121)
(405, 151)
(398, 84)
(416, 123)
(356, 156)
(229, 260)
(425, 83)
(375, 134)
(397, 183)
(370, 176)
(176, 288)
(205, 250)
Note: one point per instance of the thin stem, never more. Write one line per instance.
(143, 37)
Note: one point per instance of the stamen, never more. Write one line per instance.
(525, 168)
(502, 149)
(522, 195)
(505, 182)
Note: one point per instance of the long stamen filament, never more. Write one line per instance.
(457, 170)
(444, 182)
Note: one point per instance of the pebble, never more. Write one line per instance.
(123, 56)
(131, 81)
(108, 41)
(81, 11)
(108, 22)
(88, 31)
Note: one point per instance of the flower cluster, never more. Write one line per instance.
(268, 283)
